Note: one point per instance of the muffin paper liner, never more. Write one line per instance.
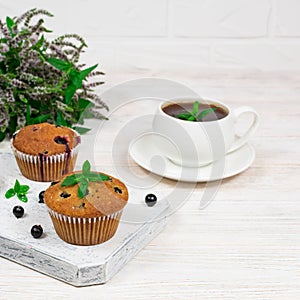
(46, 168)
(85, 231)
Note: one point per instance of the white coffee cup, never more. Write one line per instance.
(195, 144)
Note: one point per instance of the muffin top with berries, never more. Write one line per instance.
(86, 196)
(45, 138)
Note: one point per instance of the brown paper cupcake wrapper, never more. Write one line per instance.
(85, 231)
(45, 168)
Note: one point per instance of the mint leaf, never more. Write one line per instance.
(87, 115)
(40, 119)
(183, 116)
(23, 189)
(84, 178)
(76, 79)
(87, 71)
(69, 93)
(2, 136)
(194, 116)
(86, 168)
(94, 177)
(22, 197)
(17, 186)
(206, 112)
(84, 104)
(59, 64)
(19, 190)
(60, 120)
(23, 99)
(82, 130)
(40, 42)
(47, 30)
(71, 180)
(82, 189)
(195, 108)
(28, 112)
(10, 193)
(10, 23)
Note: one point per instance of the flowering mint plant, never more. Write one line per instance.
(41, 80)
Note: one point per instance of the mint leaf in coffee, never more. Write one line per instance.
(205, 112)
(195, 111)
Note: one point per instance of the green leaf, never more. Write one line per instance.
(206, 112)
(84, 104)
(87, 71)
(28, 115)
(40, 42)
(87, 115)
(40, 119)
(17, 186)
(191, 118)
(3, 129)
(94, 177)
(75, 79)
(80, 121)
(24, 189)
(60, 120)
(59, 64)
(69, 93)
(81, 130)
(10, 193)
(183, 116)
(22, 197)
(86, 168)
(195, 108)
(71, 180)
(23, 99)
(12, 124)
(47, 30)
(82, 189)
(10, 23)
(2, 136)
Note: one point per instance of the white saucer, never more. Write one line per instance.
(143, 151)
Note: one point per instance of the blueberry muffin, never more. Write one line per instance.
(86, 217)
(45, 152)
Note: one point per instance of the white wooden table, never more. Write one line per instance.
(244, 245)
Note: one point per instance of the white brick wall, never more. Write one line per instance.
(221, 19)
(178, 37)
(287, 18)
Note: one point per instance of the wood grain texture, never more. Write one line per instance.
(244, 245)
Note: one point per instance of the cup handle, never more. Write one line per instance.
(252, 128)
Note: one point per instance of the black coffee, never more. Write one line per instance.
(177, 109)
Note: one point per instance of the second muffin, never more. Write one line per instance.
(91, 217)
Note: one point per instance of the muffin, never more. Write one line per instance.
(45, 152)
(90, 219)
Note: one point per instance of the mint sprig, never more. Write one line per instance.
(195, 115)
(83, 179)
(19, 190)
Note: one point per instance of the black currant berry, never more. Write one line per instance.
(117, 190)
(41, 197)
(60, 140)
(18, 211)
(150, 200)
(65, 195)
(36, 231)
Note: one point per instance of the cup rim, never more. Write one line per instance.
(192, 99)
